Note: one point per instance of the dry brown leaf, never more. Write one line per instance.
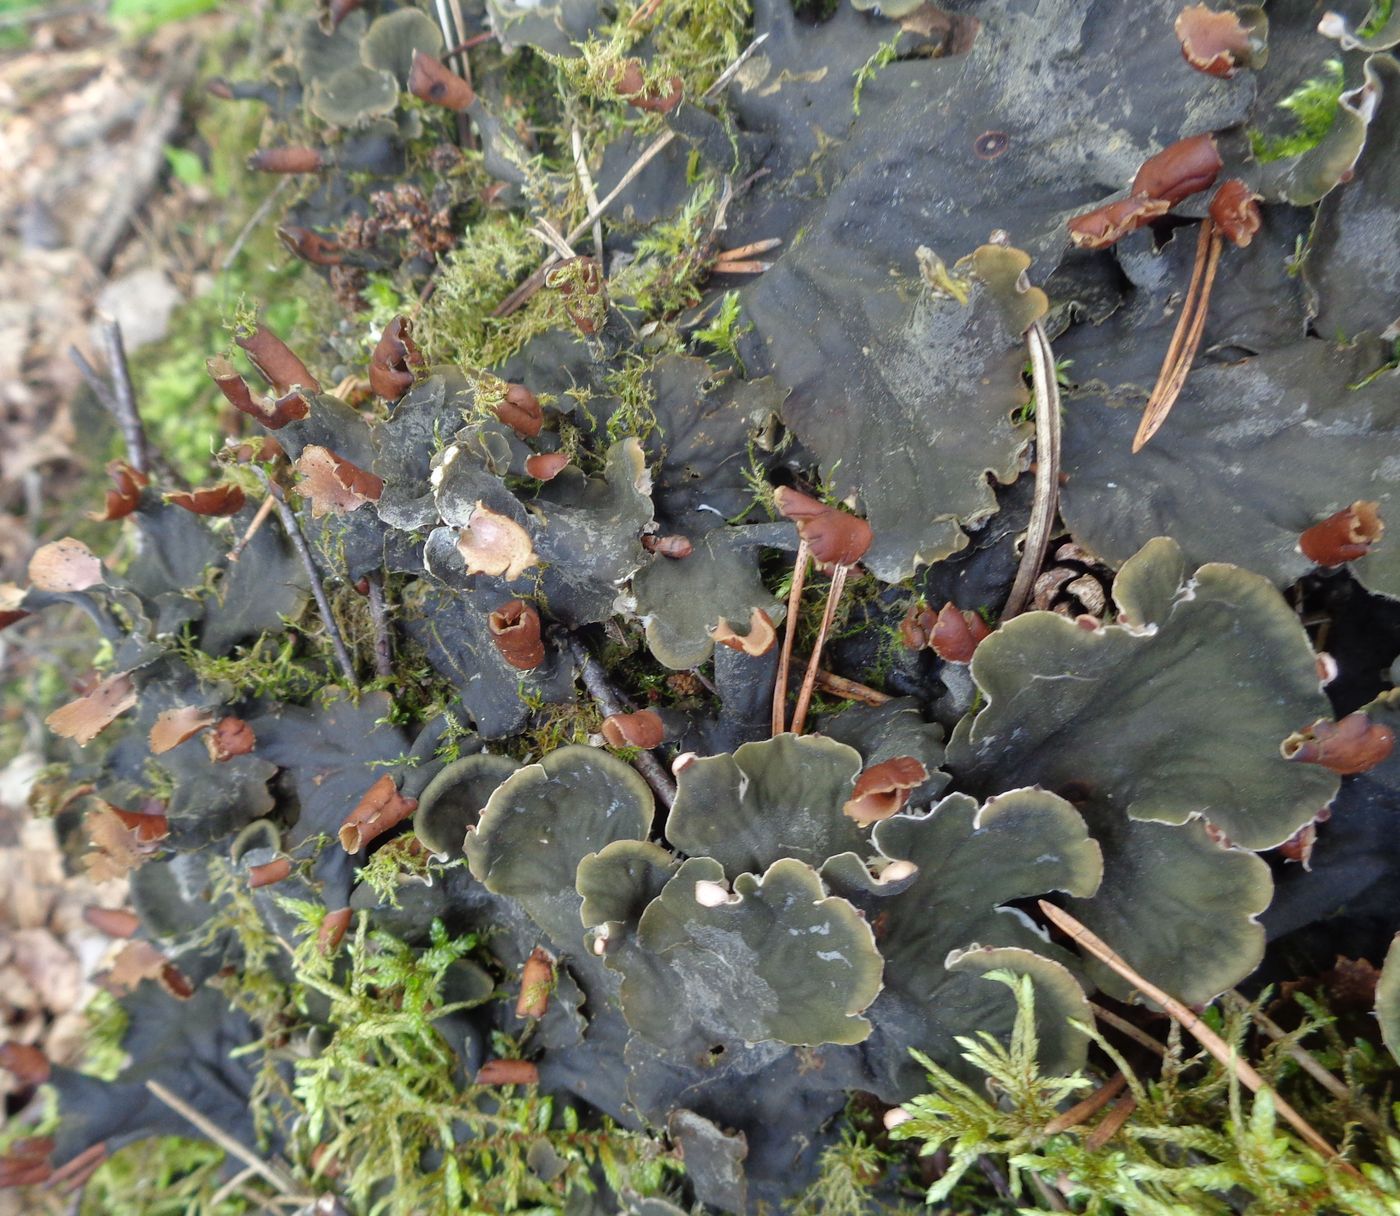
(173, 726)
(65, 565)
(87, 717)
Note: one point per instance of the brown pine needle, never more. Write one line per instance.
(780, 684)
(740, 267)
(747, 251)
(1089, 1107)
(809, 681)
(1203, 1034)
(645, 13)
(1186, 340)
(1112, 1122)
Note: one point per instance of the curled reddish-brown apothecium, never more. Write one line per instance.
(1234, 209)
(883, 789)
(1356, 744)
(287, 160)
(515, 629)
(546, 466)
(381, 808)
(276, 361)
(758, 640)
(123, 500)
(1343, 536)
(395, 360)
(332, 930)
(227, 499)
(519, 409)
(536, 984)
(432, 81)
(675, 547)
(643, 729)
(956, 634)
(310, 246)
(1180, 170)
(1216, 43)
(834, 537)
(659, 97)
(1106, 225)
(272, 413)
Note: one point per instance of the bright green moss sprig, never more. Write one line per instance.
(1314, 109)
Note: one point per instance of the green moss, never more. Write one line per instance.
(884, 55)
(399, 861)
(381, 1102)
(1313, 107)
(275, 666)
(166, 1176)
(456, 325)
(1175, 1154)
(1376, 18)
(103, 1054)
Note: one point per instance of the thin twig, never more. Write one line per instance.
(994, 1176)
(1125, 1027)
(1304, 1059)
(128, 418)
(600, 688)
(229, 1144)
(830, 682)
(740, 267)
(294, 534)
(663, 141)
(260, 518)
(1047, 470)
(1087, 1108)
(809, 679)
(254, 220)
(780, 682)
(383, 637)
(551, 236)
(93, 378)
(1203, 1034)
(590, 193)
(230, 1186)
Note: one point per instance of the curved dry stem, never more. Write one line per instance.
(780, 683)
(809, 681)
(1047, 470)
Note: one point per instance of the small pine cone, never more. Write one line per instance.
(1073, 583)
